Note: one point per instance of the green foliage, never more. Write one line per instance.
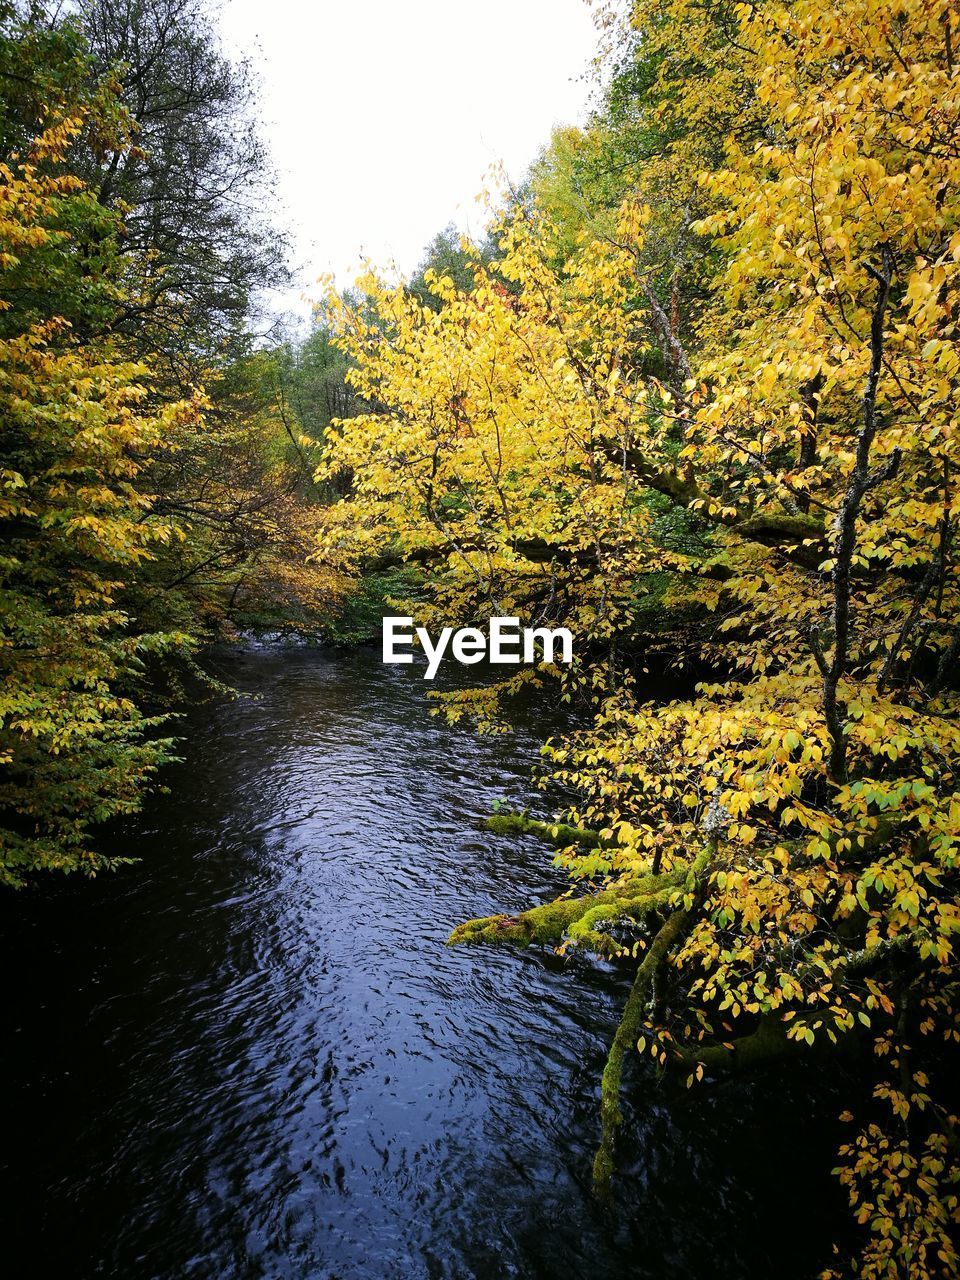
(140, 512)
(450, 256)
(358, 614)
(75, 748)
(312, 376)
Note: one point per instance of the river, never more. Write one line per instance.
(251, 1055)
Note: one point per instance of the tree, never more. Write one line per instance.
(78, 426)
(775, 858)
(240, 487)
(677, 85)
(313, 379)
(192, 191)
(155, 491)
(446, 255)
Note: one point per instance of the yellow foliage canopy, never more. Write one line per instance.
(804, 458)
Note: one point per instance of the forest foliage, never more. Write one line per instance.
(714, 358)
(155, 489)
(694, 396)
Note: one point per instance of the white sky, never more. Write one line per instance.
(383, 116)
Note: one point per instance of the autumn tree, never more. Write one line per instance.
(676, 87)
(75, 746)
(775, 858)
(240, 486)
(149, 501)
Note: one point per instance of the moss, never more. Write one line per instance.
(611, 1116)
(558, 833)
(768, 1043)
(665, 603)
(586, 931)
(670, 934)
(551, 922)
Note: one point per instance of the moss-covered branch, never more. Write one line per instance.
(669, 936)
(767, 1043)
(611, 1117)
(591, 930)
(554, 921)
(560, 834)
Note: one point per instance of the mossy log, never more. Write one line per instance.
(554, 921)
(766, 1044)
(560, 834)
(769, 1041)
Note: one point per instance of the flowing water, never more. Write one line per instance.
(251, 1055)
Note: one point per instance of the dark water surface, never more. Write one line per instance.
(252, 1056)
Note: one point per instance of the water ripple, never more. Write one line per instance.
(252, 1056)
